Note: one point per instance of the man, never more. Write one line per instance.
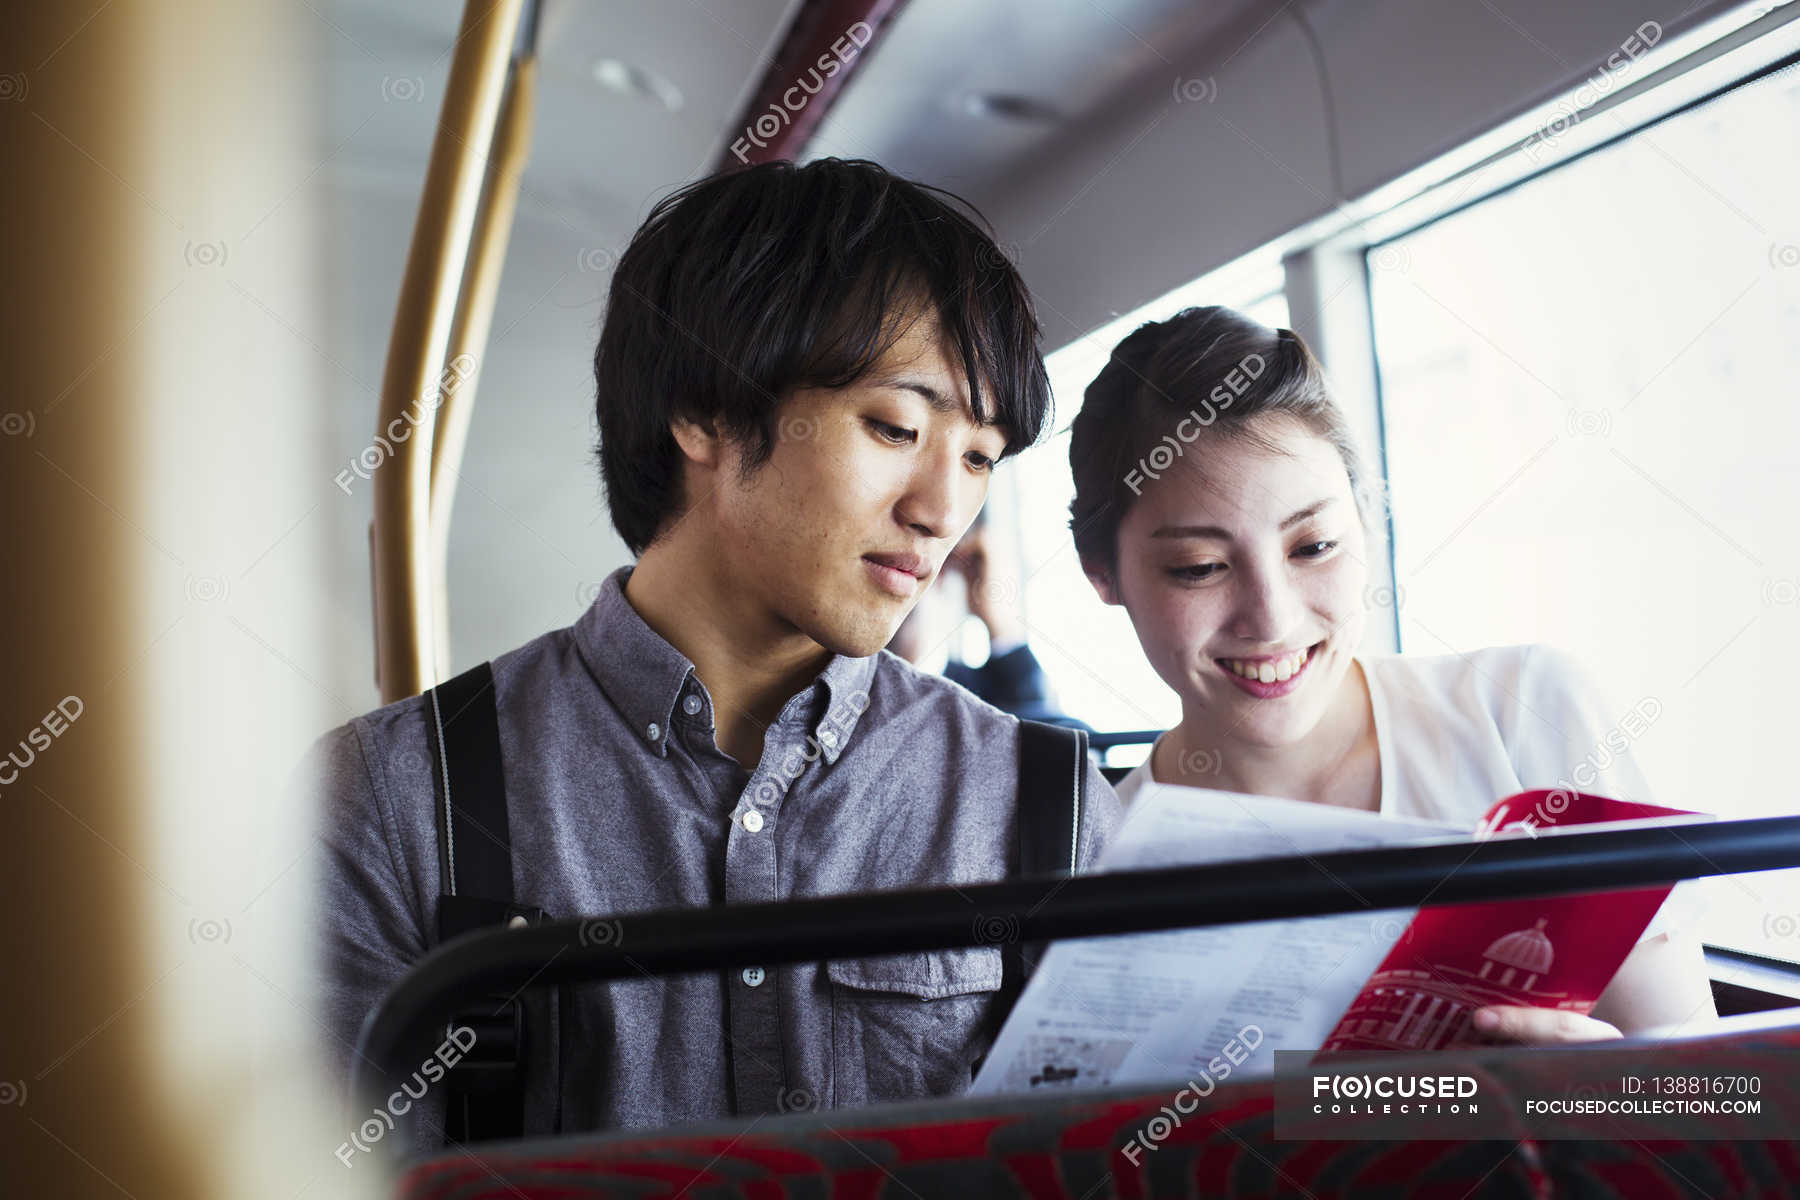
(804, 379)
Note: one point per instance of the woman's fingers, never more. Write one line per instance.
(1539, 1026)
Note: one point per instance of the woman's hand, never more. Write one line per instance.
(1527, 1026)
(1663, 984)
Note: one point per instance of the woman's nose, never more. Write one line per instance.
(1269, 608)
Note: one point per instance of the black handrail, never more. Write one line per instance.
(1126, 737)
(402, 1028)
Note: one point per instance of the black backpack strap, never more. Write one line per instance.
(486, 1088)
(1053, 763)
(474, 840)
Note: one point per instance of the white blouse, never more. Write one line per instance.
(1456, 732)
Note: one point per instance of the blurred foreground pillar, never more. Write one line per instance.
(162, 387)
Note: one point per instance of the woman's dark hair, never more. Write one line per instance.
(747, 285)
(1203, 373)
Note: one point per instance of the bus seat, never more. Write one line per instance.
(1073, 1145)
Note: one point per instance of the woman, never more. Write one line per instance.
(1220, 499)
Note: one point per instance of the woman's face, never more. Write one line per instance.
(1239, 562)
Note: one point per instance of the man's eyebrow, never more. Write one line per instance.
(1224, 535)
(938, 399)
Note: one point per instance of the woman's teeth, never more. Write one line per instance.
(1269, 672)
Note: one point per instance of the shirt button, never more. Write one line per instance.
(753, 976)
(753, 821)
(828, 736)
(691, 705)
(654, 731)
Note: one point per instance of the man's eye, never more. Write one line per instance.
(980, 461)
(1197, 572)
(892, 433)
(1316, 549)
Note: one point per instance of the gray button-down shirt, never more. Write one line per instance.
(876, 776)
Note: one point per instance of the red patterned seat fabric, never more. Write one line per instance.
(1075, 1146)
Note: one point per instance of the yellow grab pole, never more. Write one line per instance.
(418, 373)
(474, 317)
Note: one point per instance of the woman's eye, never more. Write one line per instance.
(1196, 572)
(892, 433)
(1316, 549)
(980, 461)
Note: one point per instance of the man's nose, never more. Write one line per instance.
(934, 498)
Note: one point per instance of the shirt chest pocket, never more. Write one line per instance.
(907, 1026)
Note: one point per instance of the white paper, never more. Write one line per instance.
(1201, 1004)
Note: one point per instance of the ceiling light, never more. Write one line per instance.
(1002, 106)
(629, 80)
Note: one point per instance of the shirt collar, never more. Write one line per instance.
(847, 684)
(644, 676)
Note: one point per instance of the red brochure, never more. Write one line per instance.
(1549, 952)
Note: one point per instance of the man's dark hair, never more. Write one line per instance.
(747, 285)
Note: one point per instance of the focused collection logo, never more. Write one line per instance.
(1403, 1094)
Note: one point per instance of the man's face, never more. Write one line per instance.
(867, 490)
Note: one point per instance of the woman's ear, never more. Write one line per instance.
(1102, 579)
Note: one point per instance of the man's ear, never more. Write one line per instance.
(699, 441)
(1103, 581)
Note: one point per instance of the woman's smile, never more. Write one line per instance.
(1268, 677)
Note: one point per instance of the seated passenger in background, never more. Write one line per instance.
(1243, 566)
(1012, 678)
(804, 380)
